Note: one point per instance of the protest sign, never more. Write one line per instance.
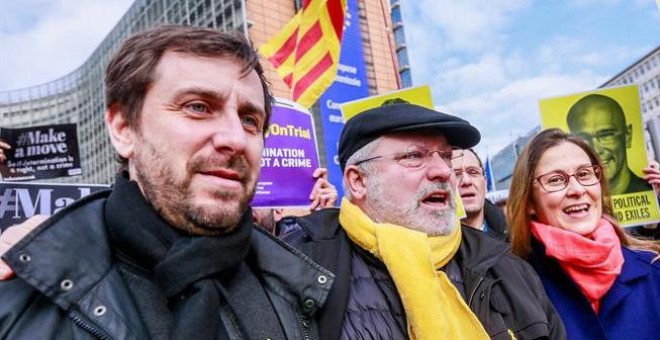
(610, 120)
(289, 158)
(420, 95)
(20, 201)
(40, 152)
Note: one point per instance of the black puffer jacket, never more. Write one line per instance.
(69, 287)
(502, 290)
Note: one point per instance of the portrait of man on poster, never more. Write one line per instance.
(601, 121)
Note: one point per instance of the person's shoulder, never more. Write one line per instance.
(641, 270)
(320, 224)
(321, 215)
(642, 258)
(482, 239)
(493, 250)
(482, 250)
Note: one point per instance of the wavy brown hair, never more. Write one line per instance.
(520, 194)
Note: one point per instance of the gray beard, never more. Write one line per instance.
(439, 223)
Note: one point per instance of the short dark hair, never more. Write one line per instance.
(131, 70)
(481, 164)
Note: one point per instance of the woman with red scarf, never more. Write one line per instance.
(603, 283)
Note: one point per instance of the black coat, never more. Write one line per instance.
(69, 287)
(502, 290)
(496, 221)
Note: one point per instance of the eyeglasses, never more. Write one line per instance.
(471, 171)
(417, 157)
(604, 137)
(558, 180)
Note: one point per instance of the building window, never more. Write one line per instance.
(399, 37)
(298, 4)
(402, 55)
(396, 16)
(406, 78)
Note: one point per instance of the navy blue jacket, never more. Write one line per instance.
(630, 310)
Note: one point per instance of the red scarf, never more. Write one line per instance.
(592, 261)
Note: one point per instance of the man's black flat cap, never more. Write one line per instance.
(373, 123)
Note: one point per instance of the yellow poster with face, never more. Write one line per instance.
(420, 95)
(610, 121)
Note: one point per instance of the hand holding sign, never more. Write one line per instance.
(3, 146)
(652, 175)
(11, 236)
(324, 194)
(39, 152)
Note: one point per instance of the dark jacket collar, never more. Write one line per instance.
(70, 262)
(496, 221)
(331, 248)
(71, 245)
(479, 251)
(283, 266)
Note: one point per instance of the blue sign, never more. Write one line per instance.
(350, 84)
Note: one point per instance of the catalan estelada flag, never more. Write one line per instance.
(305, 52)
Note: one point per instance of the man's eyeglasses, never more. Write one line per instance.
(558, 180)
(473, 172)
(604, 137)
(416, 157)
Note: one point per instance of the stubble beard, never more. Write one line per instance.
(173, 198)
(433, 223)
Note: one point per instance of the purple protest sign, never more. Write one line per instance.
(289, 159)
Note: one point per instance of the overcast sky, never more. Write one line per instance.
(487, 61)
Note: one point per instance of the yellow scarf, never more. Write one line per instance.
(433, 306)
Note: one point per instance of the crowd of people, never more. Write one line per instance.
(173, 250)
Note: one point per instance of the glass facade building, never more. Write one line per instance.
(400, 42)
(645, 72)
(79, 97)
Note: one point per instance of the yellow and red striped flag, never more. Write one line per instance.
(305, 52)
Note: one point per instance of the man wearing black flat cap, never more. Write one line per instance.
(404, 266)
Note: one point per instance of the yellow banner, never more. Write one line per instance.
(420, 95)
